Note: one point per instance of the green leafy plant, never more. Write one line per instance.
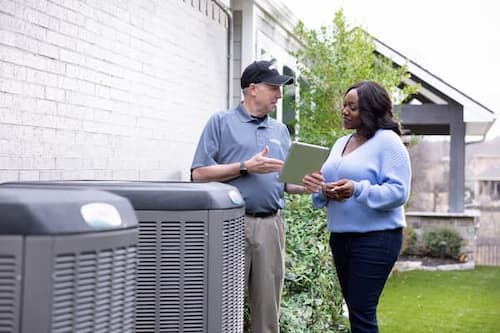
(312, 300)
(443, 243)
(410, 246)
(332, 59)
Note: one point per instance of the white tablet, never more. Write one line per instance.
(303, 158)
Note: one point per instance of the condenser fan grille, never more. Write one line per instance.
(95, 291)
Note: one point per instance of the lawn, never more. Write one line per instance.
(441, 302)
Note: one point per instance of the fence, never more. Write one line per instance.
(487, 251)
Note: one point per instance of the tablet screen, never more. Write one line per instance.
(303, 158)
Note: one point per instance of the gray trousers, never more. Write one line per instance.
(264, 270)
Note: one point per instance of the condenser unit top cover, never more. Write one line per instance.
(177, 195)
(36, 210)
(151, 195)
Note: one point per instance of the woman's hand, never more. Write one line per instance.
(313, 182)
(340, 190)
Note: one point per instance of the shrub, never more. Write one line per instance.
(410, 246)
(445, 243)
(312, 300)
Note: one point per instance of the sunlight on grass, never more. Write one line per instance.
(444, 302)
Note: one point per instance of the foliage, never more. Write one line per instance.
(312, 300)
(332, 59)
(410, 246)
(443, 242)
(441, 301)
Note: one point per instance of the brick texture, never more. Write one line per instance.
(109, 89)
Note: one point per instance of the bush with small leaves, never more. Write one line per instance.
(443, 243)
(409, 247)
(312, 300)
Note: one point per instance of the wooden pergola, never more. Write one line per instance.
(440, 109)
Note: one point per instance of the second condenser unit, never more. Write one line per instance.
(191, 256)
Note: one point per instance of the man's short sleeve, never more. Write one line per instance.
(208, 145)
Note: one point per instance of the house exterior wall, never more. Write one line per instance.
(237, 55)
(263, 30)
(484, 179)
(107, 89)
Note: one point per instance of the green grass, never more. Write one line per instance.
(441, 302)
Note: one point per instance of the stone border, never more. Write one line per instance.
(403, 266)
(465, 224)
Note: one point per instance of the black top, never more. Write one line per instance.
(34, 210)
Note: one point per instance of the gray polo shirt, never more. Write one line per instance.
(234, 136)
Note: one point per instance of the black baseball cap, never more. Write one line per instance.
(263, 71)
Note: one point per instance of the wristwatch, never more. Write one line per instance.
(243, 169)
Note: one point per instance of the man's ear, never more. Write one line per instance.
(252, 89)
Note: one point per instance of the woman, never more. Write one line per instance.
(364, 184)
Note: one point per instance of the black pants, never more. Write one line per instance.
(363, 262)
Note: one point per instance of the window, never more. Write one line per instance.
(289, 115)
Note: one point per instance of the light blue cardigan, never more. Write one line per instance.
(381, 172)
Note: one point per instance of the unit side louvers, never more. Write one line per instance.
(94, 291)
(8, 291)
(170, 288)
(182, 276)
(194, 276)
(146, 277)
(233, 275)
(190, 271)
(171, 278)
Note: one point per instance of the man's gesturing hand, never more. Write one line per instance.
(260, 163)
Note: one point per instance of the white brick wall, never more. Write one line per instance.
(111, 89)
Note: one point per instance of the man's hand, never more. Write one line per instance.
(260, 163)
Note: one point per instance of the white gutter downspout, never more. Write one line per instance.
(229, 14)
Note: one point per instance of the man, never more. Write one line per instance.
(246, 148)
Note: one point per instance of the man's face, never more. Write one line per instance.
(266, 97)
